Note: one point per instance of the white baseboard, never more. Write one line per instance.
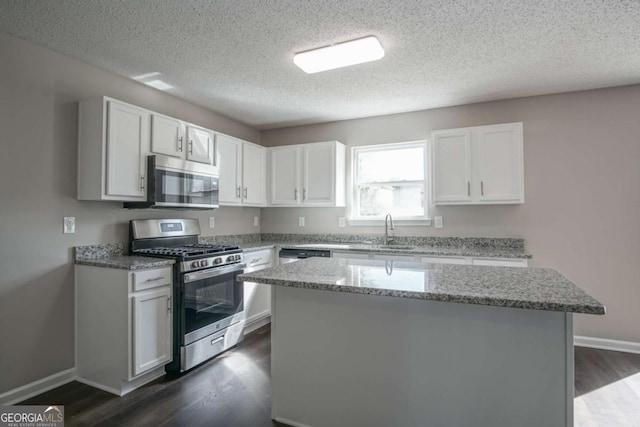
(256, 322)
(607, 344)
(35, 388)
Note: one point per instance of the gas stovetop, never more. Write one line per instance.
(187, 251)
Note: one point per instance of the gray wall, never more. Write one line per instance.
(39, 91)
(582, 190)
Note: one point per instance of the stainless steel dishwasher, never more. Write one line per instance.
(288, 255)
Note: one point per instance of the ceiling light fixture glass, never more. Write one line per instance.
(339, 55)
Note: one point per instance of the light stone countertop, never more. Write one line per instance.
(526, 288)
(110, 255)
(125, 262)
(453, 251)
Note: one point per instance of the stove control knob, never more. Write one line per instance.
(204, 263)
(217, 261)
(238, 257)
(230, 258)
(195, 264)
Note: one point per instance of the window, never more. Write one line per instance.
(389, 178)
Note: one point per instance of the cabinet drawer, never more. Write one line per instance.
(498, 262)
(259, 259)
(148, 279)
(444, 260)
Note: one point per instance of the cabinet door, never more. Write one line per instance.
(254, 174)
(229, 165)
(498, 154)
(390, 257)
(285, 166)
(167, 136)
(451, 166)
(319, 174)
(199, 145)
(127, 145)
(152, 332)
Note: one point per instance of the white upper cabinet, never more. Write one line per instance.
(175, 138)
(285, 175)
(243, 172)
(478, 165)
(500, 163)
(308, 174)
(200, 145)
(254, 174)
(167, 136)
(452, 165)
(113, 141)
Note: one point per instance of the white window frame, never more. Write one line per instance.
(423, 220)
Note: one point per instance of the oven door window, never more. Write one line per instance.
(185, 188)
(210, 300)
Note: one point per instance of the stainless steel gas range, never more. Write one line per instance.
(208, 298)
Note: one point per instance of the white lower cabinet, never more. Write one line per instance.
(350, 255)
(124, 326)
(257, 297)
(390, 257)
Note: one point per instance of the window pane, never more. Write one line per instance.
(399, 201)
(403, 164)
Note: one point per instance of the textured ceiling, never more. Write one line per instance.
(236, 56)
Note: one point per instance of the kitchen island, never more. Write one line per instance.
(375, 343)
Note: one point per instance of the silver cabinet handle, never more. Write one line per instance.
(245, 192)
(295, 194)
(155, 279)
(468, 188)
(482, 188)
(142, 182)
(238, 192)
(304, 194)
(169, 304)
(180, 140)
(191, 146)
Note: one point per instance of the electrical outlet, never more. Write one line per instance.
(212, 221)
(256, 221)
(69, 225)
(300, 221)
(342, 221)
(437, 221)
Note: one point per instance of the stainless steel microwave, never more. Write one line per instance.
(179, 184)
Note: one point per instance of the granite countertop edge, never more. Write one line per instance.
(417, 250)
(433, 296)
(124, 262)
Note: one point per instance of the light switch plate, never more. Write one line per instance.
(256, 221)
(437, 222)
(212, 221)
(342, 221)
(300, 221)
(69, 225)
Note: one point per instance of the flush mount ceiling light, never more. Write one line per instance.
(339, 55)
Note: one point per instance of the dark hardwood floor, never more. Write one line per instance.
(234, 390)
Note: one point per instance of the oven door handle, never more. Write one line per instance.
(212, 272)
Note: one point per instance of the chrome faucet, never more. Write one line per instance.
(388, 220)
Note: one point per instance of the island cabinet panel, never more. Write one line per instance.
(389, 361)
